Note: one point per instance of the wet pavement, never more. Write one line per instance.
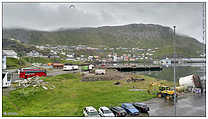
(193, 105)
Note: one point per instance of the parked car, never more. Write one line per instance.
(90, 112)
(142, 107)
(105, 112)
(130, 109)
(118, 111)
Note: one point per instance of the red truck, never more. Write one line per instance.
(27, 73)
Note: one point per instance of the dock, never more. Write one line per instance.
(136, 68)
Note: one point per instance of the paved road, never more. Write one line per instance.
(55, 72)
(189, 105)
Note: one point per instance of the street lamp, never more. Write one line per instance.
(174, 57)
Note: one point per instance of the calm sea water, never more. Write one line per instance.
(182, 70)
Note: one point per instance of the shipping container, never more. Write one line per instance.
(85, 68)
(190, 81)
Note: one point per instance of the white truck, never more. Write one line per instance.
(100, 71)
(68, 68)
(75, 67)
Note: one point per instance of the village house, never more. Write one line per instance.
(34, 53)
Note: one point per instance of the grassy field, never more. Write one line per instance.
(71, 95)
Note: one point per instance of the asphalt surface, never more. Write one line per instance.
(55, 72)
(193, 105)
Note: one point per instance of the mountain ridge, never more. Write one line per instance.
(130, 35)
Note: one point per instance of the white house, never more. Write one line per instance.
(34, 54)
(10, 53)
(70, 55)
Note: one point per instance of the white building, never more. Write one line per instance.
(3, 62)
(70, 56)
(34, 54)
(10, 53)
(115, 58)
(41, 47)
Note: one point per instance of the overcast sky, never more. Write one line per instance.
(188, 17)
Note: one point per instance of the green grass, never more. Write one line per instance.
(72, 62)
(13, 63)
(71, 95)
(39, 60)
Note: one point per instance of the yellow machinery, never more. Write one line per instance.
(166, 92)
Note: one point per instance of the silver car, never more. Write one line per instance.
(90, 112)
(105, 112)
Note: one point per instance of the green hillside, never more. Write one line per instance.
(132, 35)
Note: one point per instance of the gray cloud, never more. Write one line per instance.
(49, 16)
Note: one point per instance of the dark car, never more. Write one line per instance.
(142, 107)
(130, 109)
(118, 111)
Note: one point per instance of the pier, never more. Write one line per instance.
(136, 68)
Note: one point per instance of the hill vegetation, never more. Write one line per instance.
(132, 35)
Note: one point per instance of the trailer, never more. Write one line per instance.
(6, 79)
(75, 67)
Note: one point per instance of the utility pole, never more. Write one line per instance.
(204, 38)
(174, 56)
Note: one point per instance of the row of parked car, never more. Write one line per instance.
(126, 109)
